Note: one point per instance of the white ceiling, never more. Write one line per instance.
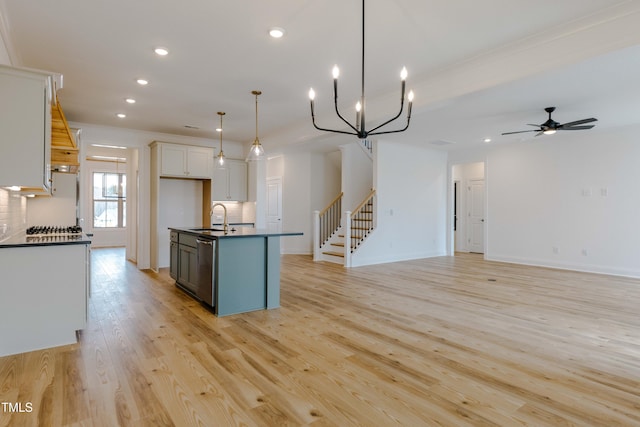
(478, 68)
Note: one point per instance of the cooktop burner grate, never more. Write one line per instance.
(53, 230)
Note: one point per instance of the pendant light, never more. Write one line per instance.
(220, 159)
(358, 129)
(256, 152)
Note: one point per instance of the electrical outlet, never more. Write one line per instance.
(585, 252)
(555, 250)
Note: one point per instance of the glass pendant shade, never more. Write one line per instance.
(220, 160)
(256, 152)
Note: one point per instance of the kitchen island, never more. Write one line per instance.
(231, 272)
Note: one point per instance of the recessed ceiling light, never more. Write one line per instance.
(130, 101)
(218, 129)
(121, 115)
(142, 82)
(276, 32)
(487, 140)
(161, 51)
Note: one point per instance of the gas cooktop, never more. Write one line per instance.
(54, 230)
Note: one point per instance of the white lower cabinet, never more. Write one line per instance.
(43, 296)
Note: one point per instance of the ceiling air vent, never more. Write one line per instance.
(441, 142)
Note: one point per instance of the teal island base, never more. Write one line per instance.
(232, 273)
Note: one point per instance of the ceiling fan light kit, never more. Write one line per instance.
(551, 126)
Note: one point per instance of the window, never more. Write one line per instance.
(109, 200)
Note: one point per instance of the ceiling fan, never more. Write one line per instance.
(551, 126)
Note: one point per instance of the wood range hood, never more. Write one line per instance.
(65, 153)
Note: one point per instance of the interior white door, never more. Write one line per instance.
(475, 214)
(274, 205)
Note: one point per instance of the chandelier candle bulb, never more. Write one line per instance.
(410, 98)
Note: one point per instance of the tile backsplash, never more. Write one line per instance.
(13, 213)
(234, 213)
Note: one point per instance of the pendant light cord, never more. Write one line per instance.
(256, 93)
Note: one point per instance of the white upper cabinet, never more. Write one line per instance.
(230, 183)
(25, 128)
(186, 161)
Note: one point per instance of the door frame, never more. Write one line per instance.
(469, 217)
(462, 180)
(278, 181)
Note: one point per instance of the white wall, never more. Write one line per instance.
(180, 205)
(357, 175)
(578, 195)
(310, 182)
(296, 202)
(4, 46)
(567, 201)
(411, 188)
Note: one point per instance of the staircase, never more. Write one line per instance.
(332, 233)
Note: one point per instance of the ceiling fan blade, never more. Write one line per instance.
(521, 131)
(576, 127)
(578, 122)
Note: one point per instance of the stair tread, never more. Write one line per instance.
(334, 253)
(337, 244)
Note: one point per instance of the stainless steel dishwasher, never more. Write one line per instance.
(206, 270)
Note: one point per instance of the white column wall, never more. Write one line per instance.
(411, 185)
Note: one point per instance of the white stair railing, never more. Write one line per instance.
(325, 224)
(358, 225)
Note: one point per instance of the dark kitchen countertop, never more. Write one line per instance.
(24, 240)
(239, 232)
(231, 224)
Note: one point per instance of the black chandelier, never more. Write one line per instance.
(359, 128)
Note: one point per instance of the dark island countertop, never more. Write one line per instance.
(218, 233)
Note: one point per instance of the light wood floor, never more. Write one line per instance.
(453, 341)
